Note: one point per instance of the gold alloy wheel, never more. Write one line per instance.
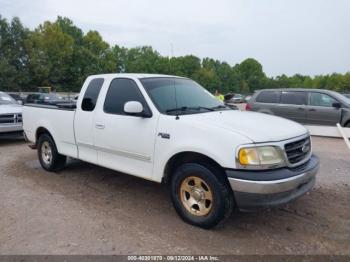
(196, 196)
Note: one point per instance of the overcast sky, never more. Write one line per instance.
(286, 36)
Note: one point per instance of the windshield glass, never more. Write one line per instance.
(180, 96)
(5, 99)
(342, 97)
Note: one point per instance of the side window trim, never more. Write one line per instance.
(147, 107)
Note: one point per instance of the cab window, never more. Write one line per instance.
(91, 94)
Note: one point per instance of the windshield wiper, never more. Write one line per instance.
(218, 107)
(188, 108)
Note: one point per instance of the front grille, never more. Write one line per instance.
(298, 150)
(19, 118)
(10, 118)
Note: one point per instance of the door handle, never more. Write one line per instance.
(100, 126)
(300, 108)
(312, 109)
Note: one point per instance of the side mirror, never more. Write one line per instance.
(135, 108)
(336, 105)
(20, 102)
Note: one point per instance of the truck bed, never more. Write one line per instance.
(57, 119)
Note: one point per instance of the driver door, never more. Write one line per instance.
(125, 142)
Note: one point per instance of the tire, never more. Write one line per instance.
(48, 155)
(192, 186)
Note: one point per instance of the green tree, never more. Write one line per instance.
(14, 57)
(207, 78)
(185, 65)
(250, 75)
(59, 54)
(50, 52)
(145, 60)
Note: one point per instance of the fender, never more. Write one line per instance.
(160, 166)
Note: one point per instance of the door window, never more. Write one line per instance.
(318, 99)
(268, 97)
(91, 94)
(293, 98)
(120, 91)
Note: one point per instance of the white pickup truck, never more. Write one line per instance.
(169, 129)
(10, 116)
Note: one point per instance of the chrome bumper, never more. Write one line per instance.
(271, 187)
(271, 192)
(10, 128)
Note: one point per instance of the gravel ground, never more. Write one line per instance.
(86, 209)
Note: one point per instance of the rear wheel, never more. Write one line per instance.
(201, 195)
(48, 155)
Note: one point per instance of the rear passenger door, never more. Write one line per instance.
(293, 105)
(321, 110)
(85, 118)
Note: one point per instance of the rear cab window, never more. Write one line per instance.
(294, 98)
(272, 97)
(91, 94)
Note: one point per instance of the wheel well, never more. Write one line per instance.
(187, 157)
(346, 123)
(39, 132)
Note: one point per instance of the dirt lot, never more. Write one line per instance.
(91, 210)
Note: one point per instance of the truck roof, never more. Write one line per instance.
(133, 75)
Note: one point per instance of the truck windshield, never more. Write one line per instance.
(180, 96)
(5, 99)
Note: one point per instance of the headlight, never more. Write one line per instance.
(260, 156)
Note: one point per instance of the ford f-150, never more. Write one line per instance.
(170, 129)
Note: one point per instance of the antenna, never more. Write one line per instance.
(171, 50)
(177, 111)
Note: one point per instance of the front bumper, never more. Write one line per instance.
(272, 187)
(11, 128)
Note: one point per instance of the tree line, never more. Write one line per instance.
(61, 55)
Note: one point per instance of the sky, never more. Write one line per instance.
(308, 37)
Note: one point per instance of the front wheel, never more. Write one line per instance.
(201, 195)
(48, 155)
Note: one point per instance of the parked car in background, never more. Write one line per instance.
(307, 106)
(247, 98)
(17, 97)
(347, 95)
(228, 102)
(213, 158)
(238, 98)
(45, 98)
(10, 115)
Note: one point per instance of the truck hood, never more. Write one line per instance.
(257, 127)
(10, 109)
